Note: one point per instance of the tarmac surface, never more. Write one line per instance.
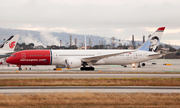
(156, 65)
(114, 89)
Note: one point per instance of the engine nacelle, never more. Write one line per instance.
(73, 63)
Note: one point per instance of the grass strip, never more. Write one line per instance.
(89, 100)
(91, 82)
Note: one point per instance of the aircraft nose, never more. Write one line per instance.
(8, 60)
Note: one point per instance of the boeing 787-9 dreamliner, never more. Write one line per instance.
(86, 59)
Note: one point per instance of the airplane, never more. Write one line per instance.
(7, 48)
(86, 59)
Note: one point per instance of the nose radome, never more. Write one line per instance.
(8, 60)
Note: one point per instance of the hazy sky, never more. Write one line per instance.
(107, 18)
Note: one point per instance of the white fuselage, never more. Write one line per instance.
(59, 56)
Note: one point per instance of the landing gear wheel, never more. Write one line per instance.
(125, 66)
(20, 68)
(143, 64)
(87, 68)
(82, 68)
(92, 68)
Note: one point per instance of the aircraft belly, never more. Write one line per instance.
(60, 60)
(123, 60)
(117, 60)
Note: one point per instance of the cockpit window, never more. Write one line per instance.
(13, 55)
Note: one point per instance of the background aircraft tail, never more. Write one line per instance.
(152, 43)
(10, 43)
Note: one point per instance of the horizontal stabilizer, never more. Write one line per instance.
(155, 54)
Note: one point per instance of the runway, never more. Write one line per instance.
(115, 89)
(14, 76)
(159, 67)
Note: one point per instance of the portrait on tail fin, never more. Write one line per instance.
(154, 44)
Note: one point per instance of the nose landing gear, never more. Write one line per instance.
(19, 67)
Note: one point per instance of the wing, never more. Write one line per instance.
(6, 54)
(98, 57)
(2, 56)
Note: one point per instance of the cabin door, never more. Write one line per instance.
(55, 56)
(135, 55)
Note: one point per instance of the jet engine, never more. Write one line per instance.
(73, 63)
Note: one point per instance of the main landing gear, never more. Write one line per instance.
(139, 65)
(143, 64)
(87, 68)
(84, 68)
(125, 66)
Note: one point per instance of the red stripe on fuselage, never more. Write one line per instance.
(30, 57)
